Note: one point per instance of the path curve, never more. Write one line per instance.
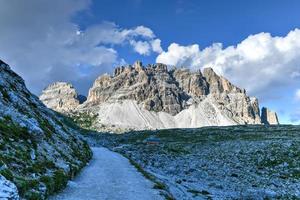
(109, 176)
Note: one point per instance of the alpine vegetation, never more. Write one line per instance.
(233, 162)
(40, 150)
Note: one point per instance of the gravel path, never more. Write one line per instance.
(109, 176)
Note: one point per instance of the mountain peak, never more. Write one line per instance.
(154, 97)
(61, 96)
(268, 117)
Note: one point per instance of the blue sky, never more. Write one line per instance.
(255, 44)
(201, 22)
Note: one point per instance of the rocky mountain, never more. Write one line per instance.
(268, 116)
(154, 97)
(61, 97)
(39, 148)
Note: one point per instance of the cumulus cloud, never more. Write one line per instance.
(141, 47)
(144, 31)
(180, 55)
(146, 47)
(156, 46)
(261, 63)
(41, 42)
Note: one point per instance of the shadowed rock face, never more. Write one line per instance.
(196, 96)
(154, 86)
(268, 117)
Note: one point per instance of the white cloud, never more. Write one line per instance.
(297, 95)
(146, 47)
(141, 47)
(261, 63)
(180, 55)
(143, 31)
(156, 46)
(44, 45)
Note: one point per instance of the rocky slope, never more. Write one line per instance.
(39, 149)
(8, 190)
(153, 97)
(235, 162)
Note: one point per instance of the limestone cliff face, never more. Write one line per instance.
(158, 97)
(268, 117)
(61, 97)
(154, 87)
(218, 84)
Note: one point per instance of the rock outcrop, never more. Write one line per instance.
(268, 117)
(153, 87)
(8, 190)
(152, 96)
(39, 151)
(61, 97)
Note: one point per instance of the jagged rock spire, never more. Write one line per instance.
(268, 117)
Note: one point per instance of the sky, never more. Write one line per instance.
(255, 44)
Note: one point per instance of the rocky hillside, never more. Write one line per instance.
(234, 162)
(39, 149)
(153, 97)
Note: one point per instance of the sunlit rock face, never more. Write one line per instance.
(268, 117)
(153, 97)
(61, 97)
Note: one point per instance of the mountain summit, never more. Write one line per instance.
(154, 97)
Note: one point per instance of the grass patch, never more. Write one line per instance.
(5, 94)
(197, 192)
(157, 184)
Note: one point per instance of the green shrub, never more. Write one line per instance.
(60, 180)
(7, 174)
(31, 195)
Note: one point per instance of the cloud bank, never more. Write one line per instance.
(41, 42)
(261, 63)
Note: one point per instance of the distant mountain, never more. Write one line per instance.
(268, 117)
(153, 97)
(66, 98)
(39, 148)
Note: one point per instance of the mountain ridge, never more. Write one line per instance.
(157, 97)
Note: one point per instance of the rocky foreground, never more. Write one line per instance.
(40, 150)
(235, 162)
(141, 97)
